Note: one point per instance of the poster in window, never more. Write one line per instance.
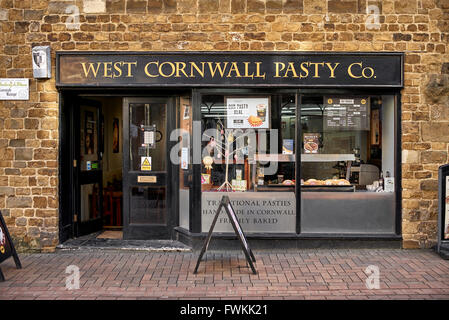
(115, 136)
(89, 125)
(311, 142)
(375, 124)
(287, 146)
(244, 113)
(446, 213)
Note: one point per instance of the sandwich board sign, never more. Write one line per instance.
(7, 247)
(225, 203)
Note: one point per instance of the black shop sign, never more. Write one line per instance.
(214, 69)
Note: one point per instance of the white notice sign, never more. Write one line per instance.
(14, 89)
(185, 158)
(389, 184)
(243, 113)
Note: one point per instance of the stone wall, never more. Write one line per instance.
(29, 130)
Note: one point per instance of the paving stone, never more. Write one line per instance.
(134, 274)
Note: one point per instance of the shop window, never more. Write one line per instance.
(347, 164)
(248, 152)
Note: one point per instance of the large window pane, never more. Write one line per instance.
(347, 164)
(248, 153)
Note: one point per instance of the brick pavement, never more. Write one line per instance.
(300, 274)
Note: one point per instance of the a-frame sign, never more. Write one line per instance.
(226, 204)
(7, 247)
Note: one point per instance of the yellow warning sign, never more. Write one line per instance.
(145, 164)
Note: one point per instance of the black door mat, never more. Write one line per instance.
(91, 242)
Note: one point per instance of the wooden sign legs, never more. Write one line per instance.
(16, 261)
(226, 204)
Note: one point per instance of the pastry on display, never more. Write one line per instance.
(343, 182)
(337, 182)
(288, 183)
(327, 182)
(314, 182)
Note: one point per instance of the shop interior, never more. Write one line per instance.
(345, 147)
(101, 147)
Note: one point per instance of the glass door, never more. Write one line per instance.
(88, 168)
(148, 204)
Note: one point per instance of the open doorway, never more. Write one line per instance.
(98, 141)
(116, 177)
(112, 127)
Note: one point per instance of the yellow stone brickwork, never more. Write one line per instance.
(29, 130)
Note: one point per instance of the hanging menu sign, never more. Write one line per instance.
(346, 113)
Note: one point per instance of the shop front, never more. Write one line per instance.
(306, 145)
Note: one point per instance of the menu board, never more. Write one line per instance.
(346, 113)
(244, 113)
(7, 247)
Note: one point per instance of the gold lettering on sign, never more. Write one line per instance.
(279, 67)
(371, 70)
(110, 69)
(258, 75)
(172, 66)
(129, 75)
(291, 68)
(117, 68)
(147, 72)
(180, 66)
(223, 69)
(107, 68)
(234, 69)
(316, 75)
(193, 65)
(217, 66)
(350, 69)
(332, 70)
(304, 67)
(366, 72)
(247, 75)
(90, 68)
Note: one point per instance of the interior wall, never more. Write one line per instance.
(388, 135)
(112, 162)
